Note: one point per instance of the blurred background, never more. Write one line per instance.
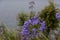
(10, 8)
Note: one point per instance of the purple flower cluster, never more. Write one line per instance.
(25, 30)
(42, 26)
(35, 20)
(58, 15)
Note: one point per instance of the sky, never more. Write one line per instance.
(10, 8)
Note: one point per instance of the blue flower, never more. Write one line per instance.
(24, 38)
(35, 20)
(42, 26)
(25, 32)
(29, 21)
(26, 23)
(34, 31)
(58, 15)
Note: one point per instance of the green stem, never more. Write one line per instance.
(44, 36)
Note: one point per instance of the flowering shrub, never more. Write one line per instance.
(47, 20)
(33, 21)
(33, 32)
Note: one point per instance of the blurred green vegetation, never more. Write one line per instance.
(48, 14)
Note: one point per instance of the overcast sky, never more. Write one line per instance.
(10, 8)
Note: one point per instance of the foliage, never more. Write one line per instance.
(49, 15)
(21, 18)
